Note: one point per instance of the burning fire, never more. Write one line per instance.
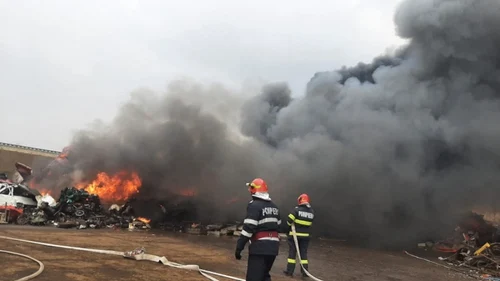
(118, 187)
(144, 220)
(44, 192)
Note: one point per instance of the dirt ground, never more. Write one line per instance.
(328, 260)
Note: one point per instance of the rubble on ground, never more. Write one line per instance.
(473, 231)
(196, 228)
(77, 208)
(483, 261)
(178, 214)
(474, 246)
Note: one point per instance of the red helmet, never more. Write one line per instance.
(303, 199)
(257, 185)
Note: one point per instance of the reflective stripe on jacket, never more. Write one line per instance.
(261, 227)
(303, 217)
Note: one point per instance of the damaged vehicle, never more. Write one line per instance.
(17, 195)
(17, 199)
(74, 205)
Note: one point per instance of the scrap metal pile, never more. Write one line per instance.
(218, 230)
(483, 261)
(474, 246)
(214, 229)
(78, 208)
(180, 218)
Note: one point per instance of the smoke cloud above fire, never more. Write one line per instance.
(388, 151)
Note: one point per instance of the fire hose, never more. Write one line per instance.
(138, 254)
(31, 276)
(296, 241)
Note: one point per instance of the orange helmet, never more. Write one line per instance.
(303, 199)
(257, 185)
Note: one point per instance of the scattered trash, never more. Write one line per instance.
(138, 225)
(440, 265)
(46, 198)
(77, 208)
(474, 248)
(483, 260)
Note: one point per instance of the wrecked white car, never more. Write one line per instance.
(17, 196)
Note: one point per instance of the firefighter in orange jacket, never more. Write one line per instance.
(302, 216)
(261, 227)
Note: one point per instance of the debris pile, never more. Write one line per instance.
(81, 207)
(178, 213)
(218, 230)
(483, 261)
(78, 208)
(472, 231)
(474, 246)
(196, 228)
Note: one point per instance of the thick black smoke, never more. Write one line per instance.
(388, 151)
(174, 145)
(260, 113)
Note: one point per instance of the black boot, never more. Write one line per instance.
(304, 275)
(290, 267)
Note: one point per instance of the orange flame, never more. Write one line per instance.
(144, 220)
(44, 192)
(118, 187)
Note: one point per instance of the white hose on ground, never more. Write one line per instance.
(135, 256)
(442, 265)
(31, 276)
(294, 234)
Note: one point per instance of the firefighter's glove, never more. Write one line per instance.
(237, 254)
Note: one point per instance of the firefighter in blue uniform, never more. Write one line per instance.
(302, 216)
(260, 227)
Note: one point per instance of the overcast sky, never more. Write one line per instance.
(65, 63)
